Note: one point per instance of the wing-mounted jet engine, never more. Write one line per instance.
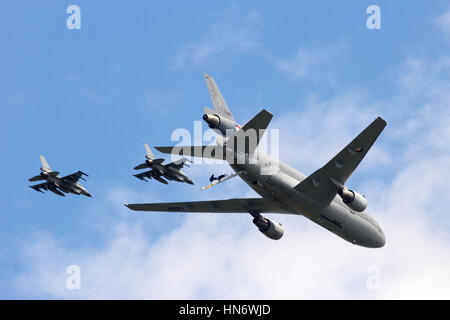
(353, 199)
(272, 230)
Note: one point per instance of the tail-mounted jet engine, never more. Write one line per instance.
(269, 228)
(353, 199)
(220, 123)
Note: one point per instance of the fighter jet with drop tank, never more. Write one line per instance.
(322, 197)
(57, 184)
(170, 171)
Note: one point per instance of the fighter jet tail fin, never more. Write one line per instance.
(248, 137)
(149, 153)
(220, 106)
(45, 167)
(150, 159)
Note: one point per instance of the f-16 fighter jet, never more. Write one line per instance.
(171, 171)
(57, 184)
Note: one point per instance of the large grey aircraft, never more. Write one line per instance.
(56, 184)
(321, 197)
(170, 171)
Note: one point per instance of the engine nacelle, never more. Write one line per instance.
(353, 200)
(224, 125)
(269, 228)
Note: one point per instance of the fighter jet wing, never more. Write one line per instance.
(74, 177)
(39, 187)
(149, 174)
(243, 205)
(178, 164)
(322, 186)
(146, 174)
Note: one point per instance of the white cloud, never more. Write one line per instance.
(313, 63)
(224, 36)
(443, 23)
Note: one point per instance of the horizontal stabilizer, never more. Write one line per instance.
(246, 139)
(36, 178)
(141, 166)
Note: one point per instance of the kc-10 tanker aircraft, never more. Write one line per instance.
(67, 184)
(321, 197)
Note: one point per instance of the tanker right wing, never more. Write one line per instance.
(322, 186)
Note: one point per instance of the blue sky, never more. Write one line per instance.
(87, 99)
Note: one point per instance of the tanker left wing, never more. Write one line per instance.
(237, 205)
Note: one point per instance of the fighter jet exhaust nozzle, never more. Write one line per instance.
(269, 228)
(147, 164)
(353, 199)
